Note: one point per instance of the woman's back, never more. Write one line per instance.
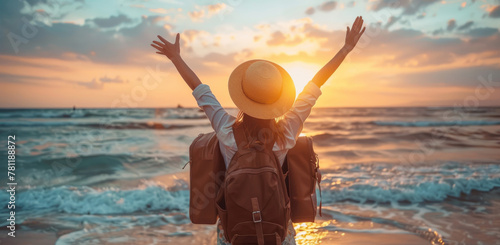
(291, 123)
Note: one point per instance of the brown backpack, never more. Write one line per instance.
(303, 175)
(207, 173)
(253, 203)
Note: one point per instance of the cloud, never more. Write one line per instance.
(451, 25)
(325, 7)
(111, 21)
(457, 76)
(56, 9)
(26, 79)
(314, 31)
(409, 7)
(328, 6)
(278, 38)
(426, 51)
(99, 83)
(216, 8)
(421, 16)
(220, 59)
(452, 86)
(196, 16)
(159, 10)
(206, 12)
(310, 11)
(403, 48)
(94, 84)
(495, 12)
(70, 41)
(106, 79)
(47, 81)
(18, 61)
(482, 32)
(467, 25)
(391, 21)
(437, 32)
(190, 35)
(215, 64)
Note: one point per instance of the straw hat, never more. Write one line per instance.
(261, 89)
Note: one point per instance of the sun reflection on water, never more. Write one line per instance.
(310, 233)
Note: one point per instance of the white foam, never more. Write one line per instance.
(86, 200)
(392, 184)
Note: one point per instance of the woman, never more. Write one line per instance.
(264, 93)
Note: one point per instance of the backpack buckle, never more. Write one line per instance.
(256, 217)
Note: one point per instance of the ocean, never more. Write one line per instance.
(426, 175)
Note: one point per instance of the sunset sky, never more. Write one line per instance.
(97, 53)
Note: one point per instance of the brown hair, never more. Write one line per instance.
(255, 128)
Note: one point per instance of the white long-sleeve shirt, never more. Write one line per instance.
(222, 121)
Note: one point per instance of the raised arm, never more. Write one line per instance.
(293, 120)
(172, 51)
(220, 120)
(351, 40)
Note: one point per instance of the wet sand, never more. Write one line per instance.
(28, 237)
(159, 236)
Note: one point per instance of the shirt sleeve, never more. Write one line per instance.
(293, 120)
(220, 120)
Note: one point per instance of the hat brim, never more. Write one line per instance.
(259, 110)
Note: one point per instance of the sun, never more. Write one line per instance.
(301, 73)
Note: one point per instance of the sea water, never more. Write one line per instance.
(94, 176)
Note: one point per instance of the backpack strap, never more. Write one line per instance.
(257, 220)
(239, 136)
(318, 178)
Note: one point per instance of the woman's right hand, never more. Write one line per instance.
(353, 35)
(171, 50)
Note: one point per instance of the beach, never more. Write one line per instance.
(389, 176)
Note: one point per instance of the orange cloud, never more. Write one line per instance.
(494, 11)
(278, 38)
(216, 8)
(207, 12)
(159, 10)
(196, 16)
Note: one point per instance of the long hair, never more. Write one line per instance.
(256, 128)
